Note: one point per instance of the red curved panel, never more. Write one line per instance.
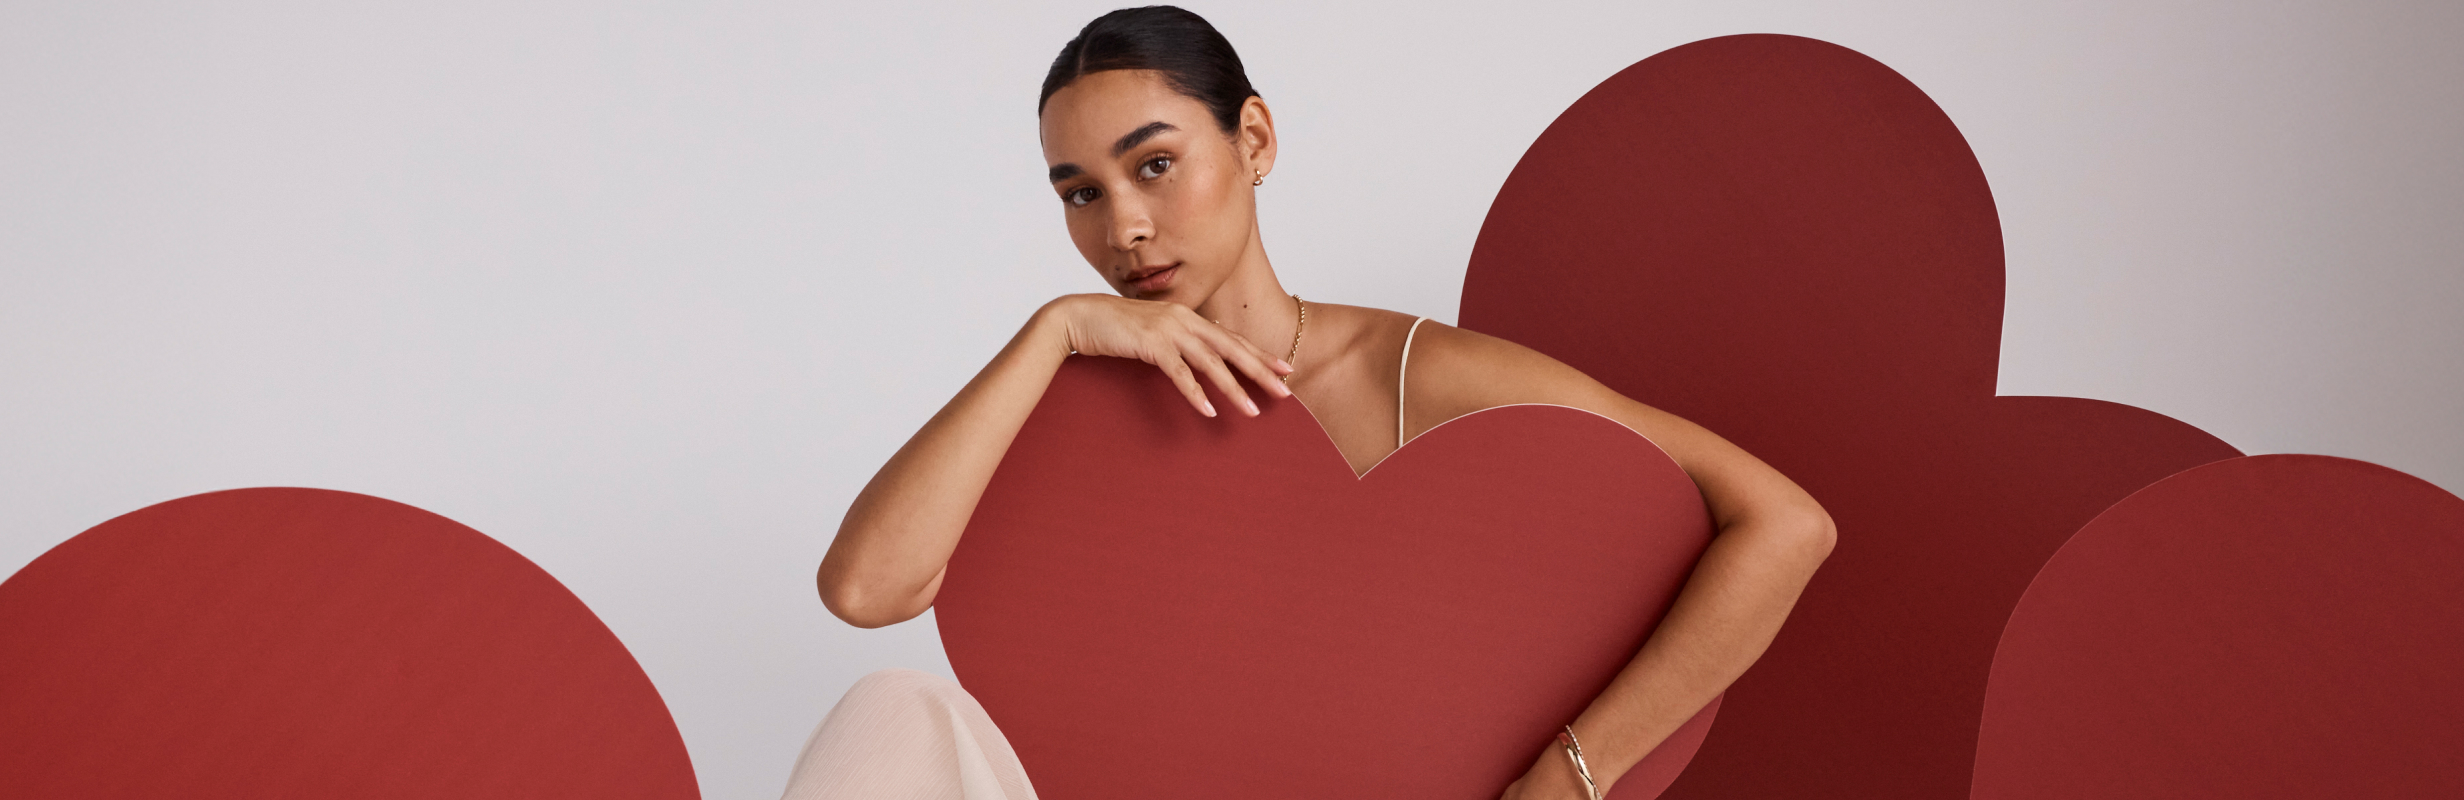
(1155, 603)
(307, 643)
(2264, 627)
(1789, 243)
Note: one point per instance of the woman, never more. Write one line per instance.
(1155, 144)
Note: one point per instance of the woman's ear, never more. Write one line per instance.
(1256, 136)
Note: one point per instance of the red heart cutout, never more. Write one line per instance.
(2267, 627)
(1153, 603)
(1787, 242)
(309, 643)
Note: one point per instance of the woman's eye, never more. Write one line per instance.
(1080, 196)
(1154, 167)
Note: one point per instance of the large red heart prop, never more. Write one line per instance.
(1789, 243)
(306, 643)
(1157, 604)
(2268, 627)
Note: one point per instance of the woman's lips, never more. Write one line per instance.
(1154, 279)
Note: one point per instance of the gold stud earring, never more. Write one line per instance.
(1261, 179)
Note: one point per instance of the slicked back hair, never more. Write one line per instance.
(1193, 58)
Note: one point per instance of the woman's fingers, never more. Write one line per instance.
(1179, 371)
(1262, 375)
(1183, 344)
(1204, 358)
(1276, 362)
(1252, 362)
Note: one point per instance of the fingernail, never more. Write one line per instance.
(1209, 408)
(1253, 407)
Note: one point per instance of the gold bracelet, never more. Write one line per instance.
(1574, 750)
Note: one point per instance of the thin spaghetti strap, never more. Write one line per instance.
(1400, 373)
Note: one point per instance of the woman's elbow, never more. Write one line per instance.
(853, 603)
(1815, 536)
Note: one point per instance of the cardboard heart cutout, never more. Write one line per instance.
(2283, 626)
(308, 643)
(1153, 603)
(1789, 243)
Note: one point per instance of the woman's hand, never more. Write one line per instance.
(1174, 339)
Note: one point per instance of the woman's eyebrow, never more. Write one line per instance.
(1143, 133)
(1062, 172)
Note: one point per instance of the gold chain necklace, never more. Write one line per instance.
(1296, 331)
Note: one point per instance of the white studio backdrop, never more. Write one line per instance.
(648, 290)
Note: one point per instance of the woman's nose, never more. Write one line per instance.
(1131, 226)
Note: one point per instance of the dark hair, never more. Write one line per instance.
(1194, 59)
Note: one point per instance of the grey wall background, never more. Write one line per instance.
(647, 290)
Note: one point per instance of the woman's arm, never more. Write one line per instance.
(886, 564)
(1771, 537)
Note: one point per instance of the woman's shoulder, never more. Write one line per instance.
(1460, 370)
(1359, 331)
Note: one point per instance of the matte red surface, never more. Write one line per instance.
(1789, 243)
(1156, 604)
(2265, 627)
(305, 643)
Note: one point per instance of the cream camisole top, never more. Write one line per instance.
(1401, 372)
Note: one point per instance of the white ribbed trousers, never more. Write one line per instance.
(900, 734)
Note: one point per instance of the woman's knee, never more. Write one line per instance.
(903, 682)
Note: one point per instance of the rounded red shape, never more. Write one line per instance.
(309, 643)
(2283, 626)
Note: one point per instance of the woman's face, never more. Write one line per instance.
(1157, 197)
